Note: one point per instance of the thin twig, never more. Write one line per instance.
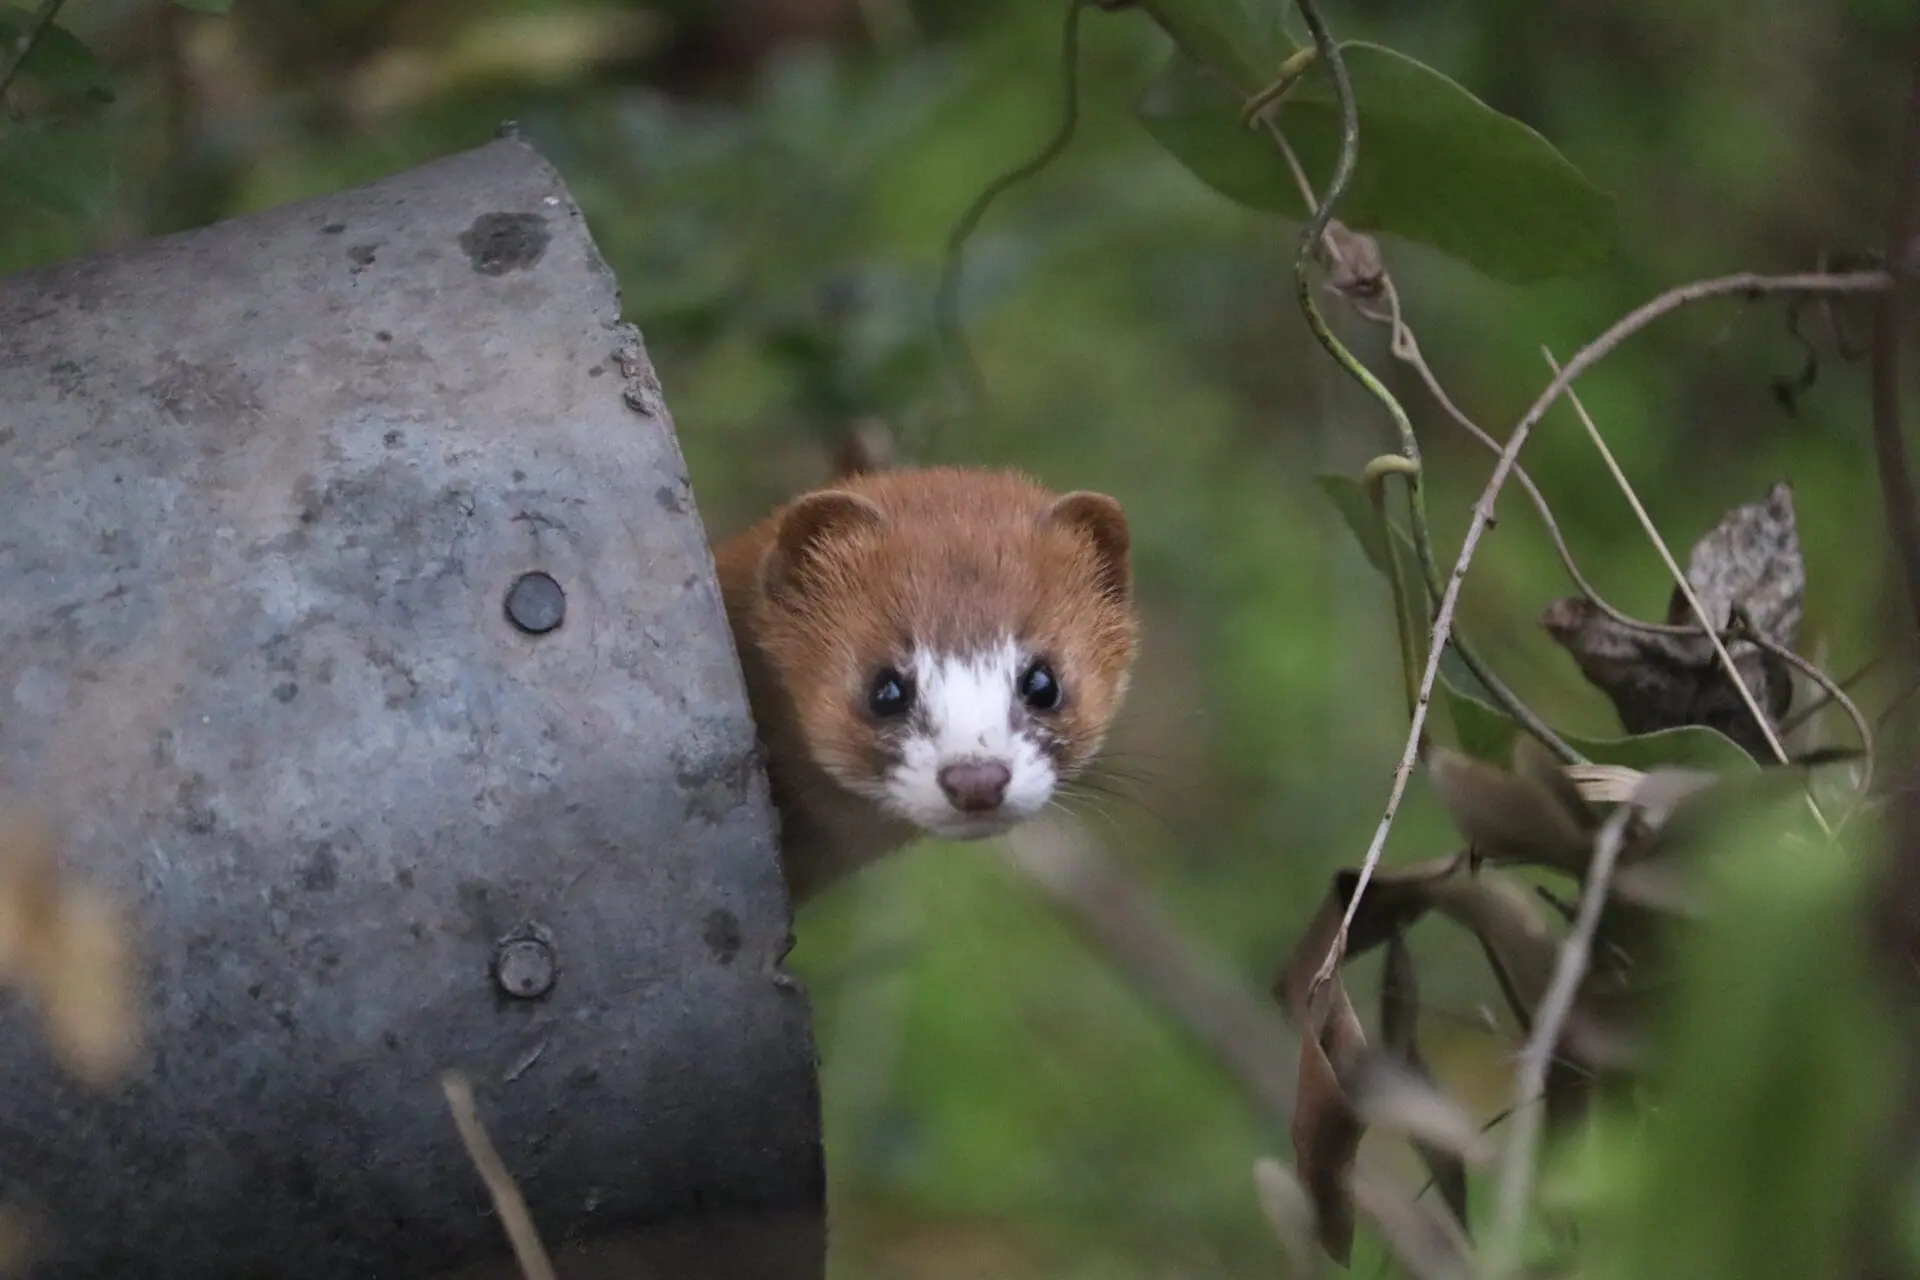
(24, 46)
(1436, 646)
(1903, 262)
(1311, 236)
(1647, 526)
(1126, 928)
(507, 1202)
(1259, 108)
(947, 296)
(1826, 698)
(1760, 717)
(1748, 284)
(1515, 1185)
(1406, 348)
(1238, 1029)
(1404, 345)
(1833, 691)
(1497, 689)
(1885, 718)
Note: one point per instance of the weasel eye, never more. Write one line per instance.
(1039, 690)
(891, 694)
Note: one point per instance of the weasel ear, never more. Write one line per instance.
(807, 525)
(1098, 519)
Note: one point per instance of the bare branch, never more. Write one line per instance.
(1241, 1032)
(1436, 647)
(1745, 283)
(1422, 534)
(1405, 347)
(1235, 1026)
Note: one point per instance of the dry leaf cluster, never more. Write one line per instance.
(1747, 573)
(1582, 987)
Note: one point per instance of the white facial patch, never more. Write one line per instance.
(966, 708)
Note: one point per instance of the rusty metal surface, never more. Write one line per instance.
(270, 493)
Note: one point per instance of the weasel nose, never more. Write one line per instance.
(975, 786)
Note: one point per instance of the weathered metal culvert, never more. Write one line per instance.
(357, 628)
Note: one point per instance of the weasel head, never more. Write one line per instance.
(955, 642)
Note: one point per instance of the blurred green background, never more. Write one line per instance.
(773, 181)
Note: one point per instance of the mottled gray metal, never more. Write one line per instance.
(265, 489)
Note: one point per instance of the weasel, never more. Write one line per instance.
(926, 651)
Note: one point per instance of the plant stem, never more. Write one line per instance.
(1639, 318)
(947, 296)
(1517, 1165)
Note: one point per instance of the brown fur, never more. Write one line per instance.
(833, 585)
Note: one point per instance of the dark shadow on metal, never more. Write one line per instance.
(358, 629)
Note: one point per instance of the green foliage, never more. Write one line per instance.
(1435, 164)
(1246, 40)
(988, 1082)
(66, 171)
(1350, 496)
(206, 6)
(58, 60)
(1776, 1079)
(59, 166)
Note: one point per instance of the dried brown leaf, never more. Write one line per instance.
(1749, 564)
(1750, 561)
(1507, 817)
(1357, 268)
(1396, 897)
(1533, 763)
(1326, 1128)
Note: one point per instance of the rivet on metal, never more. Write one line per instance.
(524, 964)
(536, 604)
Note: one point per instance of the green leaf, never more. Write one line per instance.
(1436, 165)
(64, 171)
(1350, 496)
(1245, 39)
(1484, 732)
(206, 6)
(1775, 1087)
(59, 60)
